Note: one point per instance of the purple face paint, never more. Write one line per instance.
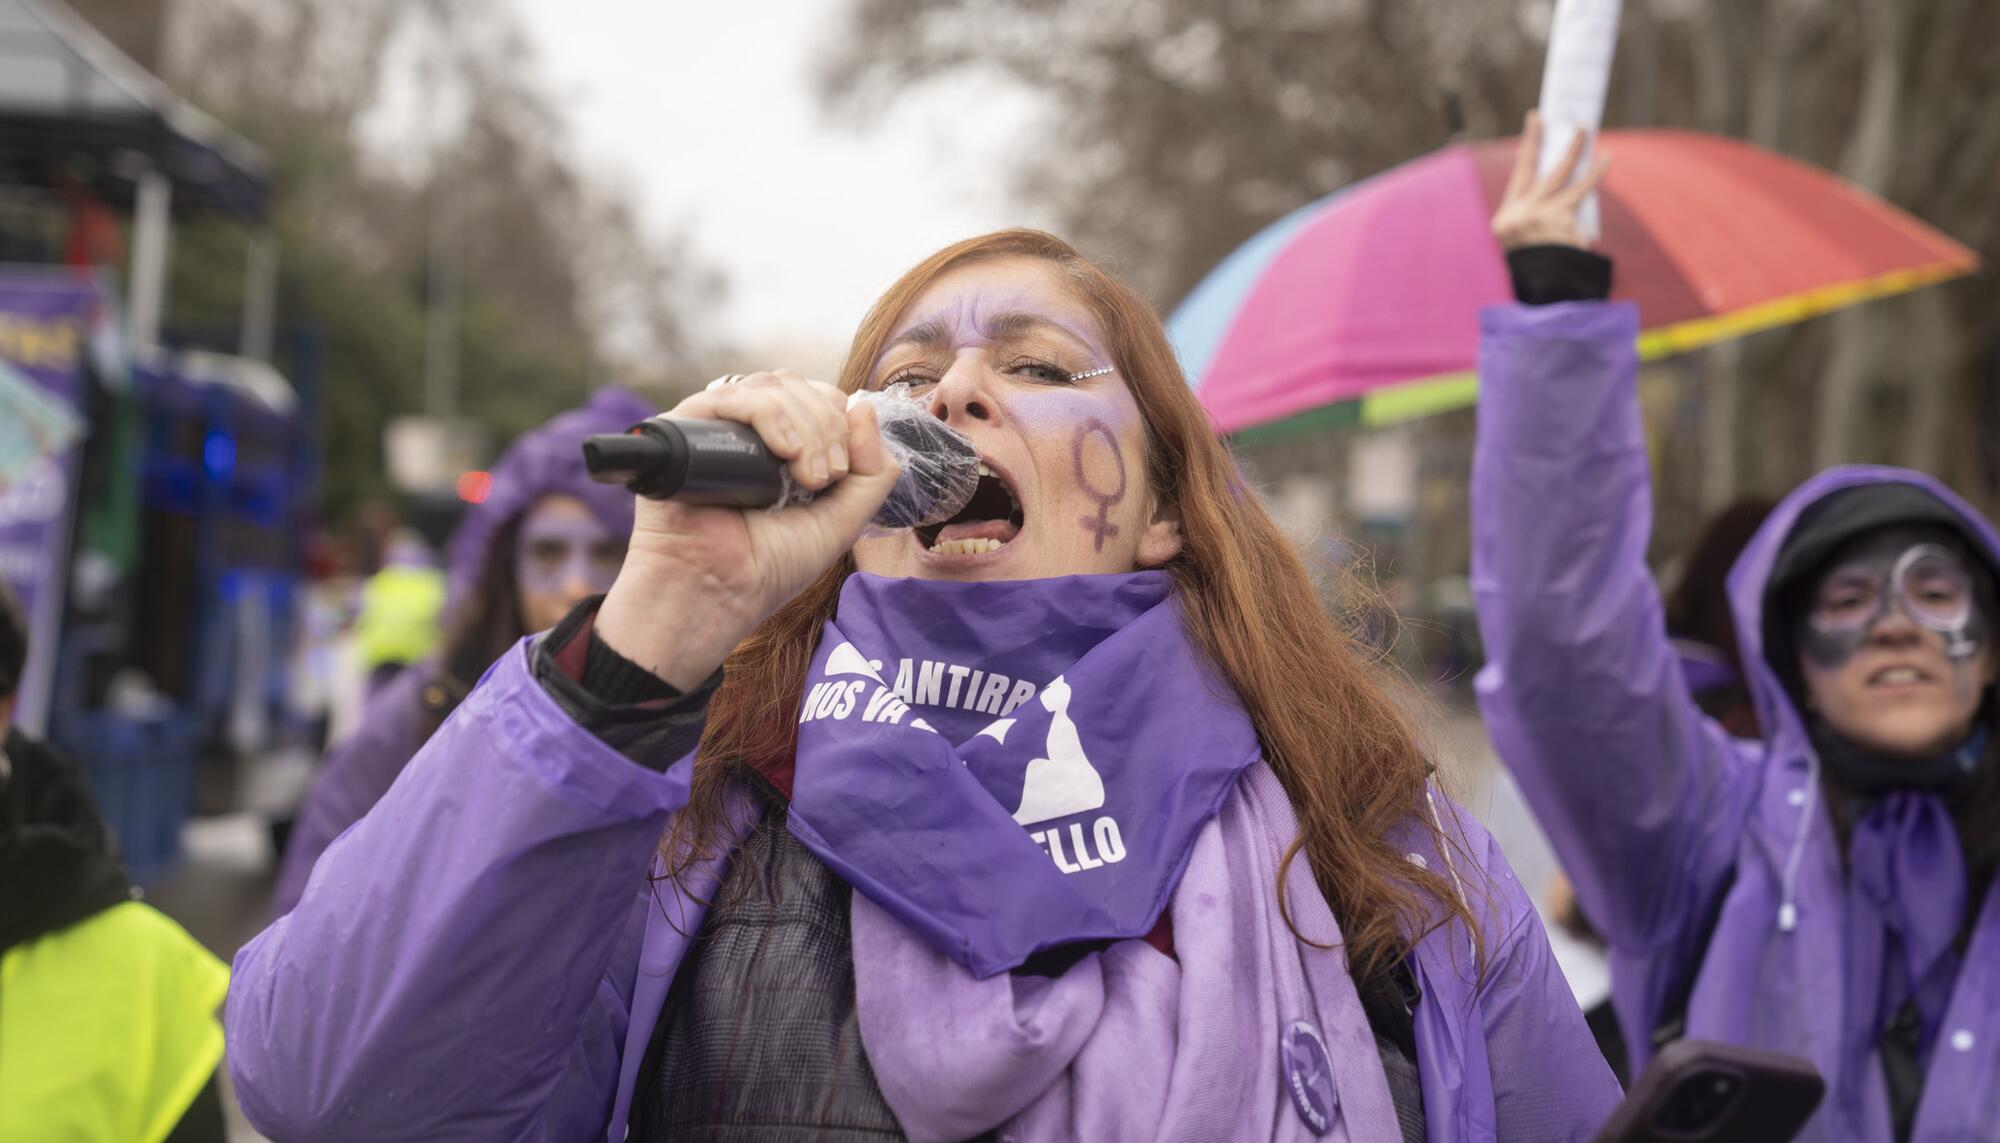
(977, 320)
(557, 549)
(1059, 409)
(1106, 499)
(1930, 584)
(1021, 353)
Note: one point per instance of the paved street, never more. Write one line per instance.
(220, 892)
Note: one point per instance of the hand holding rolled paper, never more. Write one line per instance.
(1583, 37)
(1541, 210)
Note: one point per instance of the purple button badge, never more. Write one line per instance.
(1308, 1075)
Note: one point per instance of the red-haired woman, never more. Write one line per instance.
(990, 829)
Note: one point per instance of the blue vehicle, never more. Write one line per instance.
(171, 679)
(154, 528)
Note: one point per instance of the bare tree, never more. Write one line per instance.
(377, 110)
(1177, 128)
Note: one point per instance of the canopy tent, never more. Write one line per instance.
(74, 108)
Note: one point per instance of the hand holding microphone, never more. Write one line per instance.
(710, 563)
(698, 577)
(725, 463)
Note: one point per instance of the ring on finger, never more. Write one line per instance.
(725, 379)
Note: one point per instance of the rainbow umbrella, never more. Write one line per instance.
(1363, 308)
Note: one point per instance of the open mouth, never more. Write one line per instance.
(1898, 677)
(987, 523)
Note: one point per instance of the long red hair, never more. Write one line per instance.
(1346, 753)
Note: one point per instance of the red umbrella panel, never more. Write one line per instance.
(1363, 307)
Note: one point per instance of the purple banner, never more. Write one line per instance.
(45, 323)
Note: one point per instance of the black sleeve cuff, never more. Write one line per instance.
(1546, 274)
(617, 680)
(645, 719)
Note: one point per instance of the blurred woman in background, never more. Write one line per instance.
(544, 537)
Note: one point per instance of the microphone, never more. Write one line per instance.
(726, 464)
(720, 463)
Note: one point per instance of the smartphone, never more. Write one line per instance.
(1702, 1091)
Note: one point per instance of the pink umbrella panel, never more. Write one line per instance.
(1362, 308)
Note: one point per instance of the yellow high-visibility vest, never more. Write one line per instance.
(400, 615)
(108, 1029)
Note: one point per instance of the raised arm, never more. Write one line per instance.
(1642, 797)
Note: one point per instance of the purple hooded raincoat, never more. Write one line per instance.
(1658, 816)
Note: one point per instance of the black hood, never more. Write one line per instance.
(58, 864)
(1841, 516)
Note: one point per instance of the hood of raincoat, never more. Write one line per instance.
(58, 862)
(1750, 581)
(547, 459)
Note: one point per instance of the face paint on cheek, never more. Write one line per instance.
(1962, 645)
(550, 575)
(1056, 411)
(1830, 650)
(1095, 447)
(554, 554)
(1962, 649)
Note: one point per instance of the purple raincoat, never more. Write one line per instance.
(1655, 812)
(397, 720)
(482, 957)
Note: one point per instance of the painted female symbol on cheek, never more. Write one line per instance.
(1101, 527)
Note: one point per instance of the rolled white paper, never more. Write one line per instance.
(1582, 40)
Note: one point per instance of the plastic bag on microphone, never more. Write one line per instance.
(940, 466)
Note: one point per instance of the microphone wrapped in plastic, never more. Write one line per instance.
(724, 463)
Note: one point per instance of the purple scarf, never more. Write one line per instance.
(1007, 767)
(1906, 886)
(1252, 1034)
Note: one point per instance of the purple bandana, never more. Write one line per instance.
(1906, 905)
(1007, 767)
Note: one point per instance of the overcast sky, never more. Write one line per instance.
(706, 112)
